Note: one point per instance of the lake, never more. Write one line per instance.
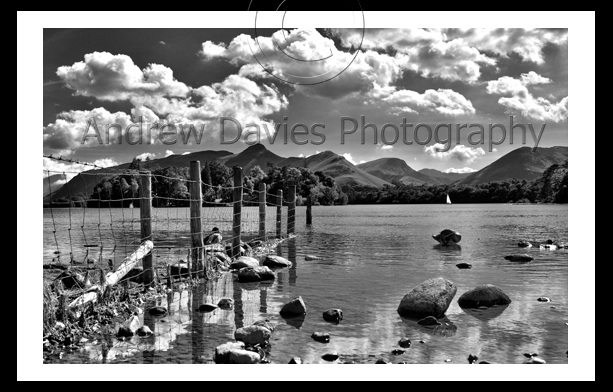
(371, 256)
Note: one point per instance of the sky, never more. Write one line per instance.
(284, 79)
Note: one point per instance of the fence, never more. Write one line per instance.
(116, 227)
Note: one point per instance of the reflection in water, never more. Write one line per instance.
(295, 321)
(486, 314)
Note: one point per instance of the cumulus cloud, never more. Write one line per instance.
(461, 170)
(383, 146)
(145, 155)
(168, 153)
(459, 153)
(115, 77)
(349, 158)
(442, 101)
(522, 101)
(69, 170)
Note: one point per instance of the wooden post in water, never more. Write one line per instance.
(195, 214)
(309, 217)
(262, 205)
(238, 204)
(279, 211)
(291, 210)
(145, 225)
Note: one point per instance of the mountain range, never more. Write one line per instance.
(521, 163)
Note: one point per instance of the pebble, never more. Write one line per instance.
(330, 357)
(382, 361)
(447, 360)
(422, 341)
(543, 299)
(398, 352)
(404, 343)
(321, 337)
(464, 266)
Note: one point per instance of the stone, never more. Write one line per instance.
(428, 321)
(207, 308)
(431, 298)
(464, 266)
(448, 237)
(158, 311)
(519, 258)
(222, 353)
(472, 359)
(253, 335)
(242, 357)
(382, 361)
(330, 357)
(244, 262)
(226, 303)
(333, 315)
(295, 361)
(486, 295)
(543, 299)
(144, 331)
(535, 361)
(272, 261)
(295, 307)
(404, 343)
(255, 274)
(321, 337)
(266, 324)
(524, 244)
(398, 352)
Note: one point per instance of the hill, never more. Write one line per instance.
(395, 169)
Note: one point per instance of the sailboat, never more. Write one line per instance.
(448, 199)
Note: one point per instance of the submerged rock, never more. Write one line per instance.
(244, 262)
(321, 337)
(253, 335)
(295, 307)
(222, 353)
(276, 262)
(333, 315)
(255, 274)
(431, 298)
(404, 343)
(486, 295)
(428, 321)
(448, 237)
(519, 258)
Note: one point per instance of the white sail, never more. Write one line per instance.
(448, 200)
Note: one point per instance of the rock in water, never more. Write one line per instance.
(519, 258)
(321, 337)
(311, 257)
(255, 274)
(266, 324)
(398, 352)
(382, 361)
(226, 303)
(543, 299)
(535, 361)
(330, 357)
(222, 353)
(448, 237)
(333, 315)
(276, 262)
(486, 295)
(404, 343)
(244, 262)
(428, 321)
(295, 361)
(144, 331)
(464, 266)
(472, 359)
(207, 308)
(295, 307)
(431, 298)
(242, 357)
(253, 335)
(124, 331)
(158, 311)
(524, 244)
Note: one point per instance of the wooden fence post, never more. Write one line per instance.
(262, 205)
(309, 217)
(279, 211)
(145, 225)
(238, 203)
(195, 213)
(291, 210)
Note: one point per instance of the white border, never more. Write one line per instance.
(581, 141)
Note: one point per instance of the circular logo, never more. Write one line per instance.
(278, 60)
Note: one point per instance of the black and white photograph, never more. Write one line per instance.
(314, 188)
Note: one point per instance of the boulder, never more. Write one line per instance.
(255, 274)
(272, 261)
(207, 308)
(448, 237)
(226, 303)
(431, 298)
(486, 295)
(244, 262)
(266, 324)
(295, 307)
(519, 258)
(158, 311)
(321, 337)
(333, 315)
(242, 357)
(222, 353)
(253, 335)
(428, 321)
